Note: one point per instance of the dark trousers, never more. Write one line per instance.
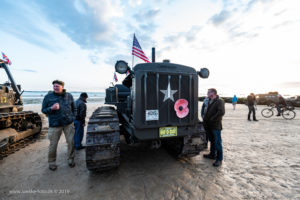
(218, 144)
(215, 139)
(279, 109)
(251, 110)
(79, 129)
(206, 136)
(210, 137)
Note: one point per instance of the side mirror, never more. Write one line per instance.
(121, 67)
(204, 73)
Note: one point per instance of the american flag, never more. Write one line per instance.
(5, 58)
(137, 50)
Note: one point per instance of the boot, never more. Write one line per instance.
(209, 156)
(52, 167)
(217, 163)
(79, 148)
(71, 163)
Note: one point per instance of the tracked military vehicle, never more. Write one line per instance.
(16, 125)
(157, 103)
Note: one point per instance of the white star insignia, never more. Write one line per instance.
(168, 93)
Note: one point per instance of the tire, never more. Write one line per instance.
(288, 114)
(267, 112)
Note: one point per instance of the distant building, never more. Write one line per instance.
(268, 98)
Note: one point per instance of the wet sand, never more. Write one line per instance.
(261, 161)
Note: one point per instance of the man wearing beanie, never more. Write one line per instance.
(80, 120)
(59, 106)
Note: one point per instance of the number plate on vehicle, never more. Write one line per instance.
(168, 131)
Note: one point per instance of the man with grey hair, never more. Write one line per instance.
(59, 106)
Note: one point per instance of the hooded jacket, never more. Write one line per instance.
(66, 113)
(80, 110)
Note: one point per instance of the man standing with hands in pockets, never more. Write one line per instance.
(59, 106)
(213, 124)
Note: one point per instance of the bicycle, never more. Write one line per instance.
(287, 112)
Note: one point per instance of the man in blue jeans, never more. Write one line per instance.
(80, 120)
(213, 125)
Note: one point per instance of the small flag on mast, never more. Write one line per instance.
(5, 58)
(115, 77)
(137, 50)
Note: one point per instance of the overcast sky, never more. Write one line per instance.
(249, 46)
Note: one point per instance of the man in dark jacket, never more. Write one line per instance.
(59, 106)
(280, 104)
(80, 120)
(213, 125)
(251, 102)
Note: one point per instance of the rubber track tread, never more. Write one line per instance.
(103, 140)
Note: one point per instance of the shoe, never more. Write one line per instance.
(52, 167)
(249, 119)
(278, 115)
(209, 156)
(79, 148)
(217, 163)
(255, 120)
(71, 163)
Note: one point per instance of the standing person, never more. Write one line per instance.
(80, 120)
(203, 111)
(281, 103)
(213, 124)
(59, 106)
(251, 102)
(204, 107)
(234, 101)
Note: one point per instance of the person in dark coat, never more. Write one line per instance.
(59, 106)
(281, 103)
(251, 102)
(213, 125)
(80, 120)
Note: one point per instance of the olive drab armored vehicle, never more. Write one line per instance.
(16, 125)
(156, 102)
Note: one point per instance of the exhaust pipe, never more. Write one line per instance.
(153, 54)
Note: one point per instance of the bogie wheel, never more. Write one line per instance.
(267, 112)
(288, 114)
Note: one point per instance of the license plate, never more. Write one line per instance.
(168, 131)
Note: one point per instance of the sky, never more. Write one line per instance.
(248, 46)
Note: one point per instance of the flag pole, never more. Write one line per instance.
(132, 61)
(132, 54)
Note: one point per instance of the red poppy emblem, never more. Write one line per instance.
(181, 108)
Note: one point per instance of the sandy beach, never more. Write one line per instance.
(261, 161)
